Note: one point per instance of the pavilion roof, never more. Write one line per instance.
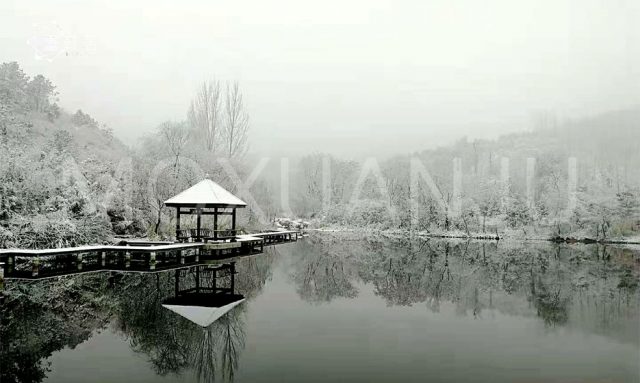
(205, 193)
(203, 315)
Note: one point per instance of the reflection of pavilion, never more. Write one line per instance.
(203, 294)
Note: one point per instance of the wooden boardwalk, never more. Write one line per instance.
(157, 246)
(278, 236)
(98, 248)
(132, 256)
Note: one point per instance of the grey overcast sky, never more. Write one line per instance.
(348, 77)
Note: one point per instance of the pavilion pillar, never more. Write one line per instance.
(197, 279)
(177, 223)
(233, 221)
(177, 282)
(198, 222)
(215, 223)
(233, 224)
(233, 276)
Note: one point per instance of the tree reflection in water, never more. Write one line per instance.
(173, 343)
(563, 285)
(322, 273)
(44, 316)
(38, 318)
(218, 345)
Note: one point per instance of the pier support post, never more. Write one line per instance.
(1, 274)
(152, 260)
(10, 263)
(181, 256)
(103, 258)
(35, 269)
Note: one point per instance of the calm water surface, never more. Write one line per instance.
(329, 310)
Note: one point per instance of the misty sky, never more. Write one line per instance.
(347, 77)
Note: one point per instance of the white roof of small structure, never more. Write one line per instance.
(202, 316)
(205, 193)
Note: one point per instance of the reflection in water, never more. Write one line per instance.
(201, 299)
(206, 302)
(41, 317)
(592, 287)
(321, 275)
(192, 321)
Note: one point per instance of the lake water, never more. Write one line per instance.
(325, 309)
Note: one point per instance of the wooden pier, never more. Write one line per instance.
(132, 256)
(277, 236)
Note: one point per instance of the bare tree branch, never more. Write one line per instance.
(205, 113)
(176, 135)
(236, 124)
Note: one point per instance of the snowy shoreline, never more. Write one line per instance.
(508, 236)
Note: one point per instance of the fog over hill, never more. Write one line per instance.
(359, 79)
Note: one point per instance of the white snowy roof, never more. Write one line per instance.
(202, 316)
(205, 193)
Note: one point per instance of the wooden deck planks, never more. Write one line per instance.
(151, 246)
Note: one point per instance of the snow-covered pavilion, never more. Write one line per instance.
(205, 198)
